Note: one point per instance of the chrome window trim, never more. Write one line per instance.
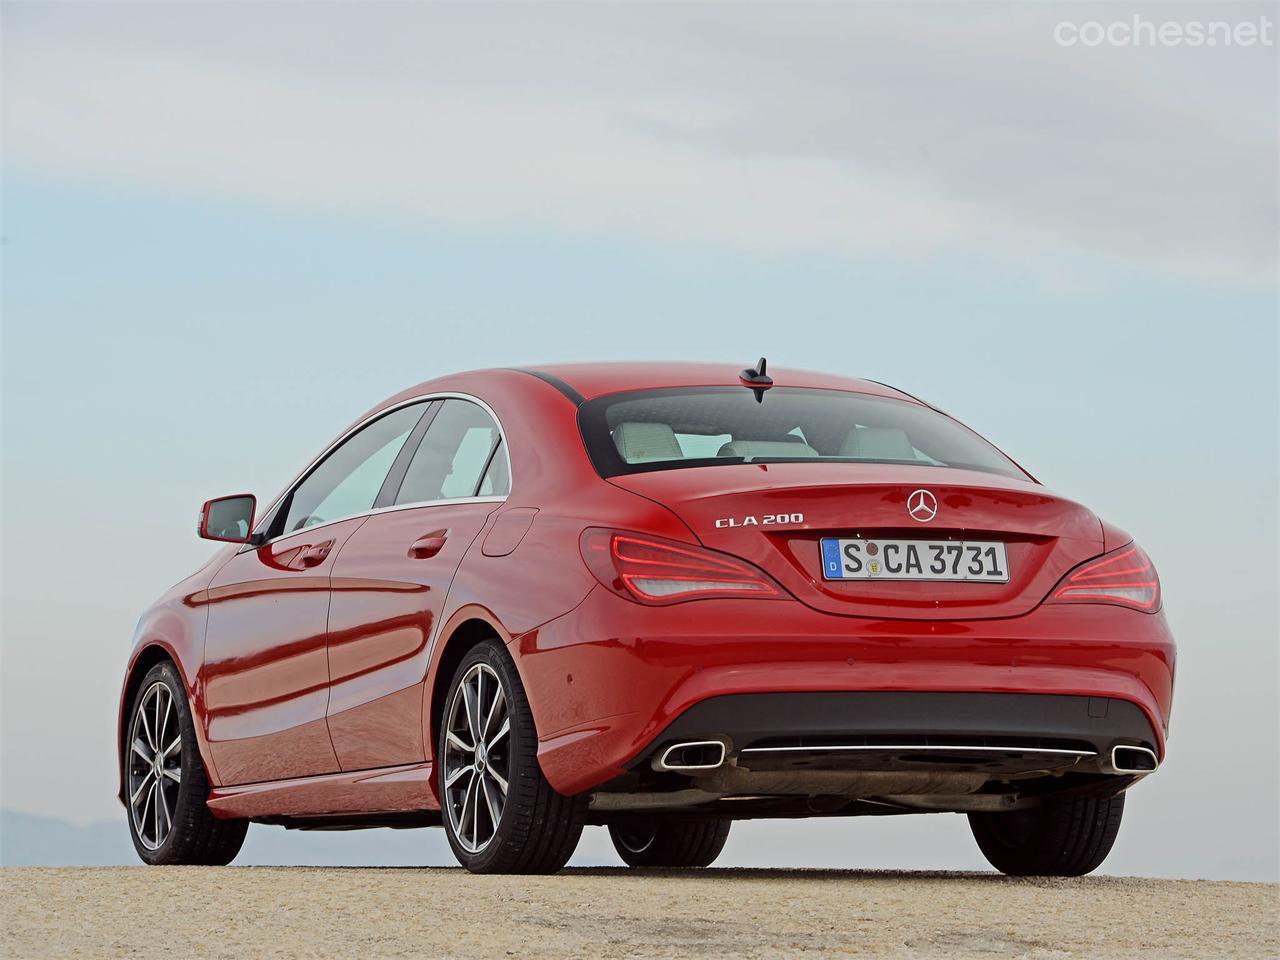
(356, 428)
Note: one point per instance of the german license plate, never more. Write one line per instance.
(982, 560)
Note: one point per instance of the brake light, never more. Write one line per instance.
(656, 571)
(1125, 576)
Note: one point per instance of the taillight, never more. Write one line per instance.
(656, 571)
(1125, 576)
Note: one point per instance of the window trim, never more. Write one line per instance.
(268, 515)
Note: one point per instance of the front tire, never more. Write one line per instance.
(1064, 837)
(500, 813)
(166, 785)
(643, 842)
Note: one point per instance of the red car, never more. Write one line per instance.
(658, 597)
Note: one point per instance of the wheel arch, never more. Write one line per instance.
(467, 627)
(144, 659)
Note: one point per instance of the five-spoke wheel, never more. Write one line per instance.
(165, 785)
(477, 758)
(500, 813)
(155, 765)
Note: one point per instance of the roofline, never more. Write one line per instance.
(910, 396)
(577, 398)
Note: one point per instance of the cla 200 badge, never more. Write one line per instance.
(767, 520)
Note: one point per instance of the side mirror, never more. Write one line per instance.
(229, 519)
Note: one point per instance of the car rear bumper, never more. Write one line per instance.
(612, 682)
(1000, 733)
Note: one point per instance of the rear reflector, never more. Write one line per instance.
(656, 571)
(1125, 576)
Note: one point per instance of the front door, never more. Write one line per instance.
(391, 580)
(266, 672)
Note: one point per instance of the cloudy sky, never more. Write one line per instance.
(230, 228)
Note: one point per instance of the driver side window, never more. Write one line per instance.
(348, 480)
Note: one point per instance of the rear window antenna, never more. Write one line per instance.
(756, 379)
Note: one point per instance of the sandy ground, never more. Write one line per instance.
(366, 913)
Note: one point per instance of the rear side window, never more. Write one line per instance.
(456, 456)
(708, 426)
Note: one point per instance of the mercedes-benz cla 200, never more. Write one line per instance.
(658, 598)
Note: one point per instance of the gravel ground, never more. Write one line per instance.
(261, 912)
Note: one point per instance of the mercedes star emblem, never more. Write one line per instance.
(922, 505)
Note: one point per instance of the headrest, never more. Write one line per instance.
(750, 449)
(640, 442)
(877, 443)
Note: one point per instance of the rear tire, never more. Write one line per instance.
(680, 843)
(1065, 837)
(500, 813)
(169, 819)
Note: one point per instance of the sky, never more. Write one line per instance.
(229, 229)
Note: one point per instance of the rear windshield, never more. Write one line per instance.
(707, 426)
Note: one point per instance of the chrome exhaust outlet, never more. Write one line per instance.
(1128, 759)
(692, 756)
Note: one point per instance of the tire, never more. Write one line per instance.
(659, 843)
(1066, 837)
(174, 824)
(526, 828)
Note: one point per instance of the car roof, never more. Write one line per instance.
(586, 381)
(596, 379)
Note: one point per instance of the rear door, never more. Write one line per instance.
(392, 577)
(265, 670)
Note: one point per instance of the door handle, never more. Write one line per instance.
(429, 545)
(314, 556)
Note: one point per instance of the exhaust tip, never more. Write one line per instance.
(1133, 760)
(691, 756)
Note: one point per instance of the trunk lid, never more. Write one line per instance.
(749, 510)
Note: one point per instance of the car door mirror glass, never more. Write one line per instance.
(229, 519)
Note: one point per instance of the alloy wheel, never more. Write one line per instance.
(155, 765)
(477, 757)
